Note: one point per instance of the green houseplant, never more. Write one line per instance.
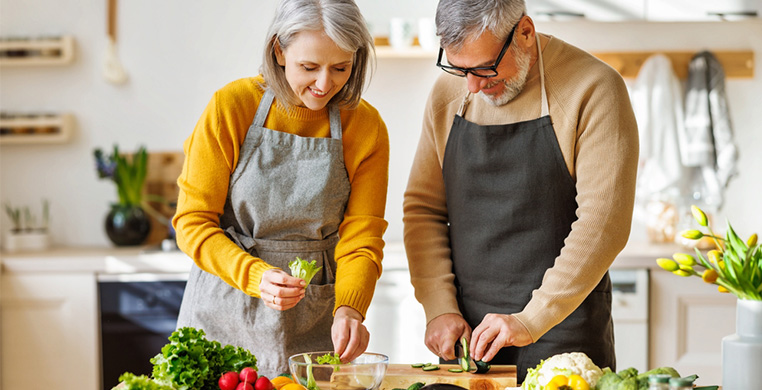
(127, 222)
(735, 266)
(27, 233)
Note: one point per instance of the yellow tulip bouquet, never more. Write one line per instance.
(734, 266)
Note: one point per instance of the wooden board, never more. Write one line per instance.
(400, 376)
(161, 179)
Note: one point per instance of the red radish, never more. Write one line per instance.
(248, 375)
(228, 380)
(244, 386)
(263, 384)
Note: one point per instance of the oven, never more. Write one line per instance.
(138, 312)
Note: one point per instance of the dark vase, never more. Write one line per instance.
(127, 225)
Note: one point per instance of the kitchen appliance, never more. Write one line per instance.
(138, 312)
(629, 309)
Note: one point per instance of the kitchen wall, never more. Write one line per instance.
(177, 53)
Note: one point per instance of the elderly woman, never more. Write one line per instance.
(290, 163)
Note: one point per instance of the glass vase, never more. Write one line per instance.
(742, 351)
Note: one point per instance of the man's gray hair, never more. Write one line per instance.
(459, 20)
(341, 21)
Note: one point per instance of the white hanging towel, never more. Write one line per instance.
(657, 99)
(707, 141)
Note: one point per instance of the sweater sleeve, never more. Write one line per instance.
(426, 233)
(211, 154)
(360, 247)
(604, 165)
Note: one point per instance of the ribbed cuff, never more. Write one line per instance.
(251, 285)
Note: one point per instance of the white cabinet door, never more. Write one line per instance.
(702, 10)
(689, 318)
(49, 332)
(603, 10)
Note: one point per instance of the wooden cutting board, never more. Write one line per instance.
(400, 376)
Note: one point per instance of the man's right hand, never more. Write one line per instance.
(443, 332)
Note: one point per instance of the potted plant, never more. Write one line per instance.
(127, 222)
(26, 233)
(735, 266)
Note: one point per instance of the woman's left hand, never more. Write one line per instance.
(349, 335)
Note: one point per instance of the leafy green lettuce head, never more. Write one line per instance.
(304, 269)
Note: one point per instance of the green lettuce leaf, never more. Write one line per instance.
(304, 269)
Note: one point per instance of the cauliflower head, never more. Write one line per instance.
(569, 363)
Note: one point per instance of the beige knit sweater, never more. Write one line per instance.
(596, 130)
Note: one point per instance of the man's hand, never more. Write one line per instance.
(349, 335)
(279, 290)
(497, 331)
(443, 332)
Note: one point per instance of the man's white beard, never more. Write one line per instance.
(513, 86)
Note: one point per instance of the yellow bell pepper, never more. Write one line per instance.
(572, 382)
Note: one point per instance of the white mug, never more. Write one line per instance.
(400, 33)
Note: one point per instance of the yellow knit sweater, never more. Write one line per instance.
(211, 155)
(596, 131)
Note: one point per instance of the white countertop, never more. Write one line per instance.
(101, 260)
(112, 260)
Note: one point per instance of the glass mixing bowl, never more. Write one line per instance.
(364, 373)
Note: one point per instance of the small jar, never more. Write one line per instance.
(680, 384)
(658, 382)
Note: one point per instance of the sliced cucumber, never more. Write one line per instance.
(431, 367)
(464, 363)
(417, 365)
(455, 370)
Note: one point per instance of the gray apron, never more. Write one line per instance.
(286, 199)
(511, 203)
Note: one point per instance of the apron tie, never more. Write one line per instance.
(250, 244)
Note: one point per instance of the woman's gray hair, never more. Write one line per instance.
(341, 21)
(459, 20)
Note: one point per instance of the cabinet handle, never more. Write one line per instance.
(723, 15)
(554, 14)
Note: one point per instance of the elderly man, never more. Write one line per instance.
(519, 199)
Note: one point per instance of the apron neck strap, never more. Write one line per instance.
(267, 100)
(335, 117)
(545, 111)
(264, 108)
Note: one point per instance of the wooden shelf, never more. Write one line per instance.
(385, 50)
(42, 129)
(33, 52)
(412, 52)
(736, 64)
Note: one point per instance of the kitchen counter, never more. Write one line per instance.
(100, 260)
(113, 260)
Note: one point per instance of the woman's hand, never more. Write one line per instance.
(349, 335)
(279, 290)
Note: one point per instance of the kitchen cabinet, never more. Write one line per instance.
(49, 331)
(601, 10)
(702, 10)
(689, 318)
(645, 10)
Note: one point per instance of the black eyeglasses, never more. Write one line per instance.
(482, 71)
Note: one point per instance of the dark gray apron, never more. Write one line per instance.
(286, 199)
(511, 203)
